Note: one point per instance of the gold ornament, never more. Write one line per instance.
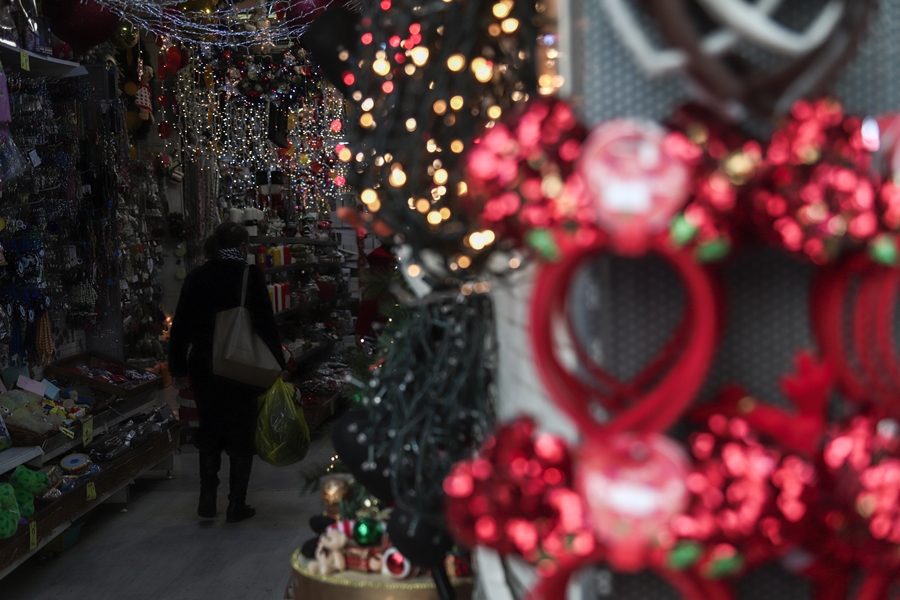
(333, 493)
(130, 88)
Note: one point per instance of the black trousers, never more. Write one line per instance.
(227, 411)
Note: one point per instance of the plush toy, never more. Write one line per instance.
(23, 410)
(27, 484)
(143, 98)
(9, 511)
(329, 553)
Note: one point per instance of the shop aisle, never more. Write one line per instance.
(159, 549)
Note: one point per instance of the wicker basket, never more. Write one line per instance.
(24, 437)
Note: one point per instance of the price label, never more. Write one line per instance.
(87, 431)
(91, 491)
(68, 432)
(32, 535)
(24, 60)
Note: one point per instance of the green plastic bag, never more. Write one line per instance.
(282, 435)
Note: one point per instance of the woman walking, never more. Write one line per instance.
(227, 408)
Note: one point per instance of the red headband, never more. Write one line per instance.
(652, 410)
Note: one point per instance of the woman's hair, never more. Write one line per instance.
(230, 235)
(211, 248)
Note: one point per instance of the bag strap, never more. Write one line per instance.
(244, 288)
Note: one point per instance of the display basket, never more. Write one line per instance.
(93, 359)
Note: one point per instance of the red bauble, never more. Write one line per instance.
(162, 72)
(82, 24)
(173, 57)
(161, 61)
(165, 130)
(395, 563)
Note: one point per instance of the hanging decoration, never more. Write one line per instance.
(262, 25)
(812, 188)
(247, 115)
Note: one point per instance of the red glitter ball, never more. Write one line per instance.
(396, 563)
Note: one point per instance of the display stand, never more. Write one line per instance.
(53, 519)
(354, 585)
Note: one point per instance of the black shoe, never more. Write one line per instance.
(238, 481)
(238, 511)
(209, 484)
(206, 508)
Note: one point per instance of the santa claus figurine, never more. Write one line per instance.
(143, 98)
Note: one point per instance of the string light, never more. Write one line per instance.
(262, 26)
(451, 82)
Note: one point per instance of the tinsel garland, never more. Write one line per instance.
(430, 402)
(262, 25)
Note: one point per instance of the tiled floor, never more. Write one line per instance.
(159, 549)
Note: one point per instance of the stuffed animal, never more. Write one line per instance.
(329, 553)
(9, 511)
(23, 410)
(27, 484)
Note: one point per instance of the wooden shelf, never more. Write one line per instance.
(260, 239)
(304, 265)
(40, 64)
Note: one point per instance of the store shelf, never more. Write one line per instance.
(301, 266)
(308, 306)
(40, 65)
(260, 239)
(313, 353)
(70, 508)
(60, 443)
(13, 457)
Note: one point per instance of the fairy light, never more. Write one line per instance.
(509, 25)
(440, 107)
(456, 62)
(456, 102)
(423, 205)
(419, 55)
(501, 9)
(434, 218)
(189, 23)
(368, 196)
(410, 124)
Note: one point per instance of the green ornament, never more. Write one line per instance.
(542, 241)
(725, 566)
(883, 250)
(681, 231)
(712, 251)
(684, 555)
(367, 532)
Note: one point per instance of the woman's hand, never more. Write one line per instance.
(181, 383)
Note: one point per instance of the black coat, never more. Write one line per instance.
(211, 288)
